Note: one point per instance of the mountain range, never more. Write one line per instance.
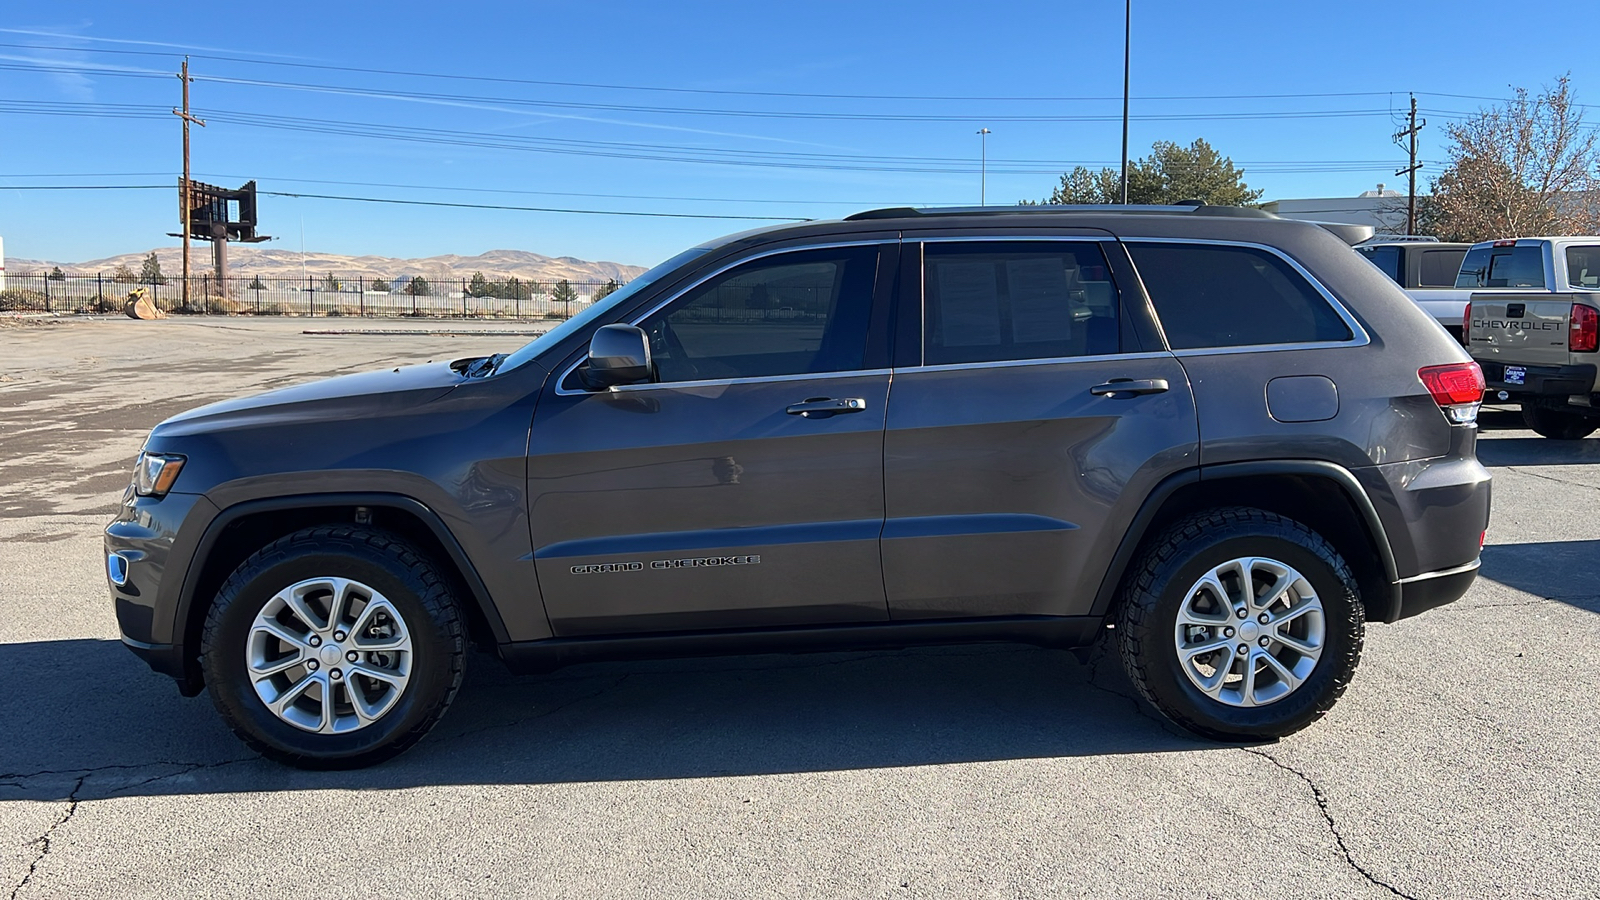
(245, 261)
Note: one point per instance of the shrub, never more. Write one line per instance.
(21, 298)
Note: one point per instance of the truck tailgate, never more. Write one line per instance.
(1521, 328)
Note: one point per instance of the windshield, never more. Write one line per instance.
(593, 311)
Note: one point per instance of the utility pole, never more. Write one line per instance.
(1127, 46)
(183, 187)
(983, 166)
(1410, 171)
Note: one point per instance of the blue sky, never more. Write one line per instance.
(1304, 96)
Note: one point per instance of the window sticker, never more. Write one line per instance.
(1041, 308)
(969, 304)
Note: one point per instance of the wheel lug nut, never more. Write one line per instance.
(1241, 613)
(1265, 642)
(336, 674)
(338, 635)
(1264, 619)
(311, 665)
(315, 641)
(1227, 632)
(352, 656)
(1243, 649)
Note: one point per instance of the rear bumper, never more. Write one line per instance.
(1421, 593)
(1541, 381)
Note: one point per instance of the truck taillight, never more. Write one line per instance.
(1457, 388)
(1466, 325)
(1583, 336)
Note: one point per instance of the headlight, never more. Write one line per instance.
(154, 474)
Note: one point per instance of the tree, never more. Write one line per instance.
(481, 286)
(255, 284)
(419, 287)
(57, 275)
(1170, 174)
(605, 290)
(330, 283)
(1525, 167)
(517, 289)
(123, 274)
(150, 272)
(378, 284)
(564, 294)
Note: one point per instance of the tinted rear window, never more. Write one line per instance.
(1387, 259)
(1439, 267)
(1502, 267)
(1583, 267)
(1223, 296)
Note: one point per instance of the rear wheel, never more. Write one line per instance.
(1558, 424)
(1239, 625)
(334, 647)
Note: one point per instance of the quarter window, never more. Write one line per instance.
(1439, 267)
(1583, 267)
(1212, 295)
(789, 314)
(987, 302)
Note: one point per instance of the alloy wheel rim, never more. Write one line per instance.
(1250, 632)
(329, 655)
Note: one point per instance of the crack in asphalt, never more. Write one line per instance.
(1333, 827)
(45, 841)
(1552, 478)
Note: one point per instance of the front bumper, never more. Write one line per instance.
(1541, 381)
(145, 584)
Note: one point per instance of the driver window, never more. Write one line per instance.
(788, 314)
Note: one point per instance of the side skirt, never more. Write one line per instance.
(1045, 631)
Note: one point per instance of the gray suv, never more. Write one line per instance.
(1221, 440)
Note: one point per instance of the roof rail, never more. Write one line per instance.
(1187, 207)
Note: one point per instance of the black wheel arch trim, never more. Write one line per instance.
(424, 514)
(1139, 528)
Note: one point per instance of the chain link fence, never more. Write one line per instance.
(417, 296)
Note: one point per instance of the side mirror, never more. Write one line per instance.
(618, 354)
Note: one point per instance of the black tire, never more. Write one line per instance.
(383, 561)
(1558, 424)
(1158, 584)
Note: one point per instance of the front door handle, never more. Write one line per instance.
(823, 407)
(1132, 387)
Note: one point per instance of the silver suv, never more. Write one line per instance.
(1222, 437)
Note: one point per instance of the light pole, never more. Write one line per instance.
(1127, 43)
(983, 166)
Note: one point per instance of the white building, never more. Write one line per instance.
(2, 264)
(1383, 209)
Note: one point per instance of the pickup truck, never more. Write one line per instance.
(1540, 349)
(1427, 270)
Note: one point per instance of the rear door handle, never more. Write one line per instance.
(1130, 386)
(823, 407)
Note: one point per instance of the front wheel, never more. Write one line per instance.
(1241, 625)
(334, 647)
(1557, 424)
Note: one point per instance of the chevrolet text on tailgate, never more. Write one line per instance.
(1219, 440)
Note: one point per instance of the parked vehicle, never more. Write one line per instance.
(1214, 437)
(1426, 269)
(1540, 349)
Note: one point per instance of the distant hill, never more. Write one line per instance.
(245, 260)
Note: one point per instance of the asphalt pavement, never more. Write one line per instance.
(1463, 762)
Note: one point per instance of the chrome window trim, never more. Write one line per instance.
(1012, 238)
(1359, 336)
(567, 373)
(754, 379)
(1047, 361)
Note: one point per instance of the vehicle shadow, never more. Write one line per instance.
(85, 719)
(1538, 451)
(1565, 571)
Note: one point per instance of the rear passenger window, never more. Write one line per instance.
(988, 302)
(1210, 295)
(1439, 267)
(1387, 259)
(1583, 267)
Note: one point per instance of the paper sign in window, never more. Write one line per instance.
(969, 304)
(1040, 309)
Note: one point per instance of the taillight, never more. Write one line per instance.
(1457, 388)
(1583, 336)
(1466, 325)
